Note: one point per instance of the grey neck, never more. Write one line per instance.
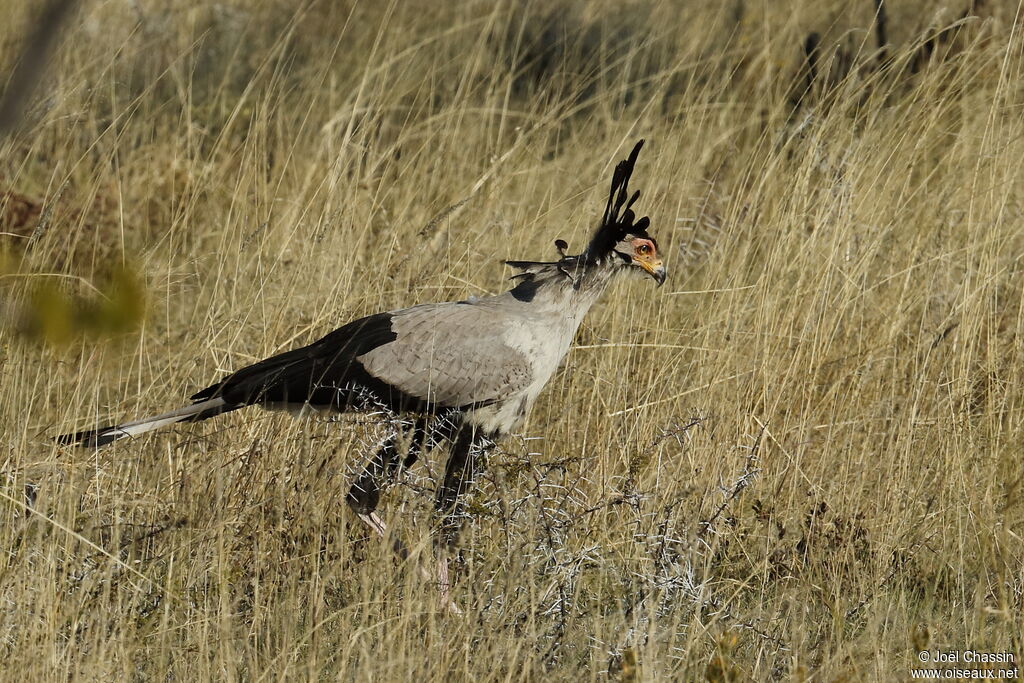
(570, 286)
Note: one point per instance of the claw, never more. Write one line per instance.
(443, 585)
(374, 521)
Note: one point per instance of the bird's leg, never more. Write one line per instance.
(459, 474)
(364, 495)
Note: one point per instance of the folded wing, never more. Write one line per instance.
(437, 355)
(452, 355)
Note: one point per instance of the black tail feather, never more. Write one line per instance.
(96, 438)
(212, 412)
(90, 438)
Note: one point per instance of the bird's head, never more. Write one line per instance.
(641, 253)
(622, 240)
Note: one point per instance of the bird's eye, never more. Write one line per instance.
(643, 249)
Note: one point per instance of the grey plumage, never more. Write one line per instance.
(450, 355)
(468, 371)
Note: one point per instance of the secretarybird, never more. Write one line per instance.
(466, 372)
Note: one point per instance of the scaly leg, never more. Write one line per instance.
(459, 475)
(364, 495)
(382, 469)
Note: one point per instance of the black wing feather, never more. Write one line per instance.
(324, 373)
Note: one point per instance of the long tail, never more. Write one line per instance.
(94, 438)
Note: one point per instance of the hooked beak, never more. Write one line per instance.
(655, 269)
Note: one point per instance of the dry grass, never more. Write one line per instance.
(801, 458)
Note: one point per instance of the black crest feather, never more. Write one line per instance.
(619, 219)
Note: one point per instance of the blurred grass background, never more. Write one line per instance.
(800, 459)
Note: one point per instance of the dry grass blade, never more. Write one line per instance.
(29, 69)
(800, 460)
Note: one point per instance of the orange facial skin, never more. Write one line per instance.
(645, 255)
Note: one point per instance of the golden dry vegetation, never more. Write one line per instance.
(800, 459)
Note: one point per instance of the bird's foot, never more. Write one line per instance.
(373, 520)
(443, 586)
